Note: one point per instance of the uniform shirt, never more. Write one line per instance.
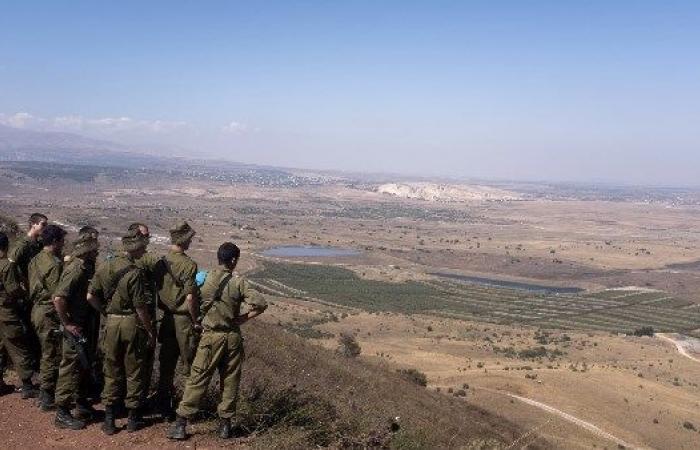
(10, 288)
(129, 293)
(73, 286)
(170, 294)
(44, 273)
(22, 252)
(221, 312)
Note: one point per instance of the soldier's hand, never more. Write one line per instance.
(75, 330)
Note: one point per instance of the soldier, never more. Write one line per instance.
(221, 344)
(44, 273)
(75, 313)
(118, 291)
(21, 252)
(147, 263)
(177, 291)
(12, 331)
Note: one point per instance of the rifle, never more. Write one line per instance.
(81, 346)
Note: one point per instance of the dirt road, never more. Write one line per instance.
(682, 345)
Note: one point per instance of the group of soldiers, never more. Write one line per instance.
(89, 330)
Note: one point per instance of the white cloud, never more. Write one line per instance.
(103, 125)
(236, 128)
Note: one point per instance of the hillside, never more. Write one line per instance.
(298, 395)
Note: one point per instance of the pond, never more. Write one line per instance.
(309, 251)
(509, 284)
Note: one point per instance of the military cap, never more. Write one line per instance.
(90, 231)
(85, 244)
(181, 233)
(133, 240)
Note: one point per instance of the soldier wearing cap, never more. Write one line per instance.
(12, 333)
(221, 344)
(44, 273)
(147, 263)
(178, 294)
(75, 314)
(117, 290)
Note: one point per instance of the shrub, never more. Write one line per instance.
(644, 331)
(415, 376)
(348, 346)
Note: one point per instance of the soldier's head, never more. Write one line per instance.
(87, 230)
(4, 243)
(228, 255)
(181, 235)
(53, 238)
(134, 244)
(86, 247)
(141, 228)
(37, 223)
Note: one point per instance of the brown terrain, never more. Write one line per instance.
(494, 379)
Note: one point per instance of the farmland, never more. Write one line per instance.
(615, 310)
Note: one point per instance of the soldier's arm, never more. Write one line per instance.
(11, 281)
(96, 291)
(257, 304)
(192, 298)
(63, 288)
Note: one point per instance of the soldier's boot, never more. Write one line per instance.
(84, 411)
(65, 420)
(108, 426)
(28, 389)
(46, 401)
(178, 431)
(135, 421)
(224, 428)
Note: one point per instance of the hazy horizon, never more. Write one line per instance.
(539, 91)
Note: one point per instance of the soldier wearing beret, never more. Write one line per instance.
(118, 291)
(221, 345)
(178, 295)
(75, 314)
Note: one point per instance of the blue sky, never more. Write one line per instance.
(561, 90)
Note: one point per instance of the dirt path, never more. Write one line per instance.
(566, 416)
(680, 345)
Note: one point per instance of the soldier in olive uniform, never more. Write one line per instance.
(147, 263)
(22, 251)
(118, 291)
(178, 294)
(75, 313)
(12, 331)
(221, 344)
(44, 273)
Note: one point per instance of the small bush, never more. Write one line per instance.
(644, 331)
(414, 376)
(348, 346)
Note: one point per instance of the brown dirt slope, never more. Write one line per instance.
(297, 395)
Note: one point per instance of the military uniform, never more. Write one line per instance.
(125, 341)
(176, 335)
(221, 344)
(74, 380)
(12, 331)
(44, 274)
(22, 251)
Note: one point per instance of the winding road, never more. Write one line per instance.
(681, 345)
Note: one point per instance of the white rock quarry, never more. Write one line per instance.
(446, 192)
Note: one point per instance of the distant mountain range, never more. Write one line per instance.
(18, 144)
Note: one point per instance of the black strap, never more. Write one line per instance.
(217, 294)
(116, 279)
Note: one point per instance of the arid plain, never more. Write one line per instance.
(539, 331)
